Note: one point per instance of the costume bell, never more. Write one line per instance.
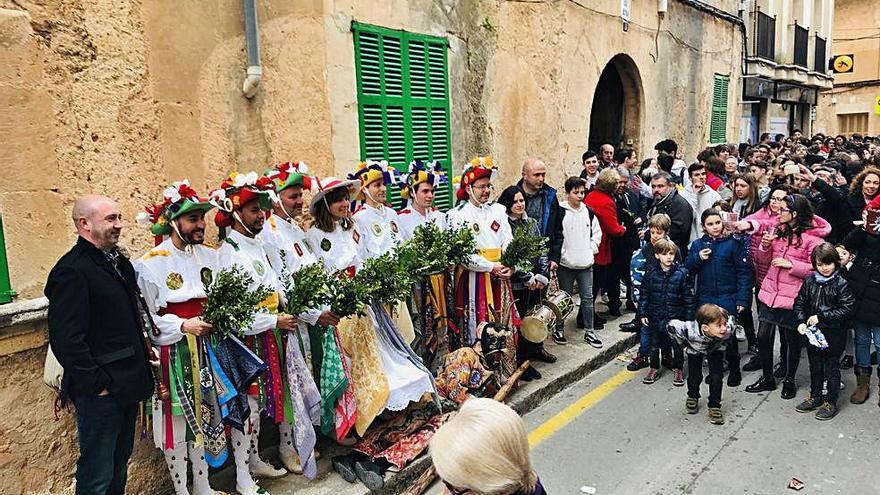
(478, 294)
(240, 247)
(172, 278)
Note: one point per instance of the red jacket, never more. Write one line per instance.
(606, 212)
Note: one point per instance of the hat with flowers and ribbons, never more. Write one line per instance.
(476, 169)
(322, 187)
(289, 174)
(238, 190)
(178, 199)
(371, 171)
(421, 172)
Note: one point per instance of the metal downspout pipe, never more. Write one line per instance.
(252, 39)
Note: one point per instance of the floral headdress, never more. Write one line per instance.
(420, 172)
(238, 190)
(178, 199)
(477, 168)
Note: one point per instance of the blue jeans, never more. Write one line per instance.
(644, 338)
(106, 438)
(584, 277)
(864, 334)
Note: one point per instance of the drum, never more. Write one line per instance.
(561, 303)
(537, 324)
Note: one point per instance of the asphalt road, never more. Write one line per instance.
(614, 434)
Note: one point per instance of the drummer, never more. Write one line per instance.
(528, 287)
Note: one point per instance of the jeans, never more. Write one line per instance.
(825, 365)
(584, 278)
(644, 338)
(660, 340)
(106, 438)
(695, 376)
(864, 334)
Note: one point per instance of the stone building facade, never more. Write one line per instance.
(853, 106)
(120, 98)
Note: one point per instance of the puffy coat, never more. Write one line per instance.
(666, 296)
(831, 300)
(764, 220)
(864, 275)
(605, 208)
(642, 261)
(781, 285)
(581, 238)
(725, 278)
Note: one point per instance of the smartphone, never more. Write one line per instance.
(791, 169)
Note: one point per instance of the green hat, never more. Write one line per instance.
(178, 199)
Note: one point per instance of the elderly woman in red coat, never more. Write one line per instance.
(601, 201)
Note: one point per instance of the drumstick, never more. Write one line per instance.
(425, 480)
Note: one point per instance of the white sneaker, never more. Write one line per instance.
(262, 469)
(291, 462)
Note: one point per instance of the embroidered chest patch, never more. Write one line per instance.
(174, 281)
(393, 226)
(325, 244)
(207, 276)
(476, 227)
(495, 226)
(259, 267)
(376, 229)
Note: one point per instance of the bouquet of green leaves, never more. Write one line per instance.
(306, 289)
(520, 254)
(349, 296)
(231, 305)
(388, 278)
(432, 249)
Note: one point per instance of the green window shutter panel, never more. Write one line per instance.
(718, 122)
(6, 292)
(403, 103)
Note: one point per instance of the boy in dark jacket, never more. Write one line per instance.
(666, 294)
(826, 302)
(707, 337)
(720, 264)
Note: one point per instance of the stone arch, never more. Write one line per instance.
(616, 114)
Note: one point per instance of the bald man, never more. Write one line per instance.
(96, 332)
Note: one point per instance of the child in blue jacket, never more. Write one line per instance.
(720, 264)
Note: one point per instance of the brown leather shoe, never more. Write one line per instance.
(543, 355)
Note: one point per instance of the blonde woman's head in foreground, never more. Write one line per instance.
(484, 448)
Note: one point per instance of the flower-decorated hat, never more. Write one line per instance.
(289, 174)
(477, 168)
(177, 199)
(420, 172)
(238, 190)
(322, 187)
(370, 171)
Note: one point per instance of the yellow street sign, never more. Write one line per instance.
(877, 105)
(842, 64)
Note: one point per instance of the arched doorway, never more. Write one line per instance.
(615, 117)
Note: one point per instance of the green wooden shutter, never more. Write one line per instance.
(403, 101)
(718, 124)
(6, 292)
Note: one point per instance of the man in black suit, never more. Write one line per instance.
(96, 332)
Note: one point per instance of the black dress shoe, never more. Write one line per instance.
(543, 355)
(762, 385)
(629, 327)
(789, 390)
(754, 364)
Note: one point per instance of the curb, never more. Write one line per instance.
(522, 404)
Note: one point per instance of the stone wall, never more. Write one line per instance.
(121, 98)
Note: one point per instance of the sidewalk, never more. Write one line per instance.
(576, 360)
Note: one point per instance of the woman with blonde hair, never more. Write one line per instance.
(495, 458)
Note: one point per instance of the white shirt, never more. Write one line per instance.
(166, 274)
(490, 227)
(336, 250)
(283, 236)
(376, 230)
(250, 255)
(409, 219)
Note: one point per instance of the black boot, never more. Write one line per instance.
(789, 390)
(762, 385)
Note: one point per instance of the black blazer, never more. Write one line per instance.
(93, 326)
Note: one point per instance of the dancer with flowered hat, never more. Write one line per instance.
(172, 278)
(418, 187)
(375, 225)
(288, 251)
(244, 203)
(483, 285)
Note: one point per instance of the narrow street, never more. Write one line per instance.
(611, 432)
